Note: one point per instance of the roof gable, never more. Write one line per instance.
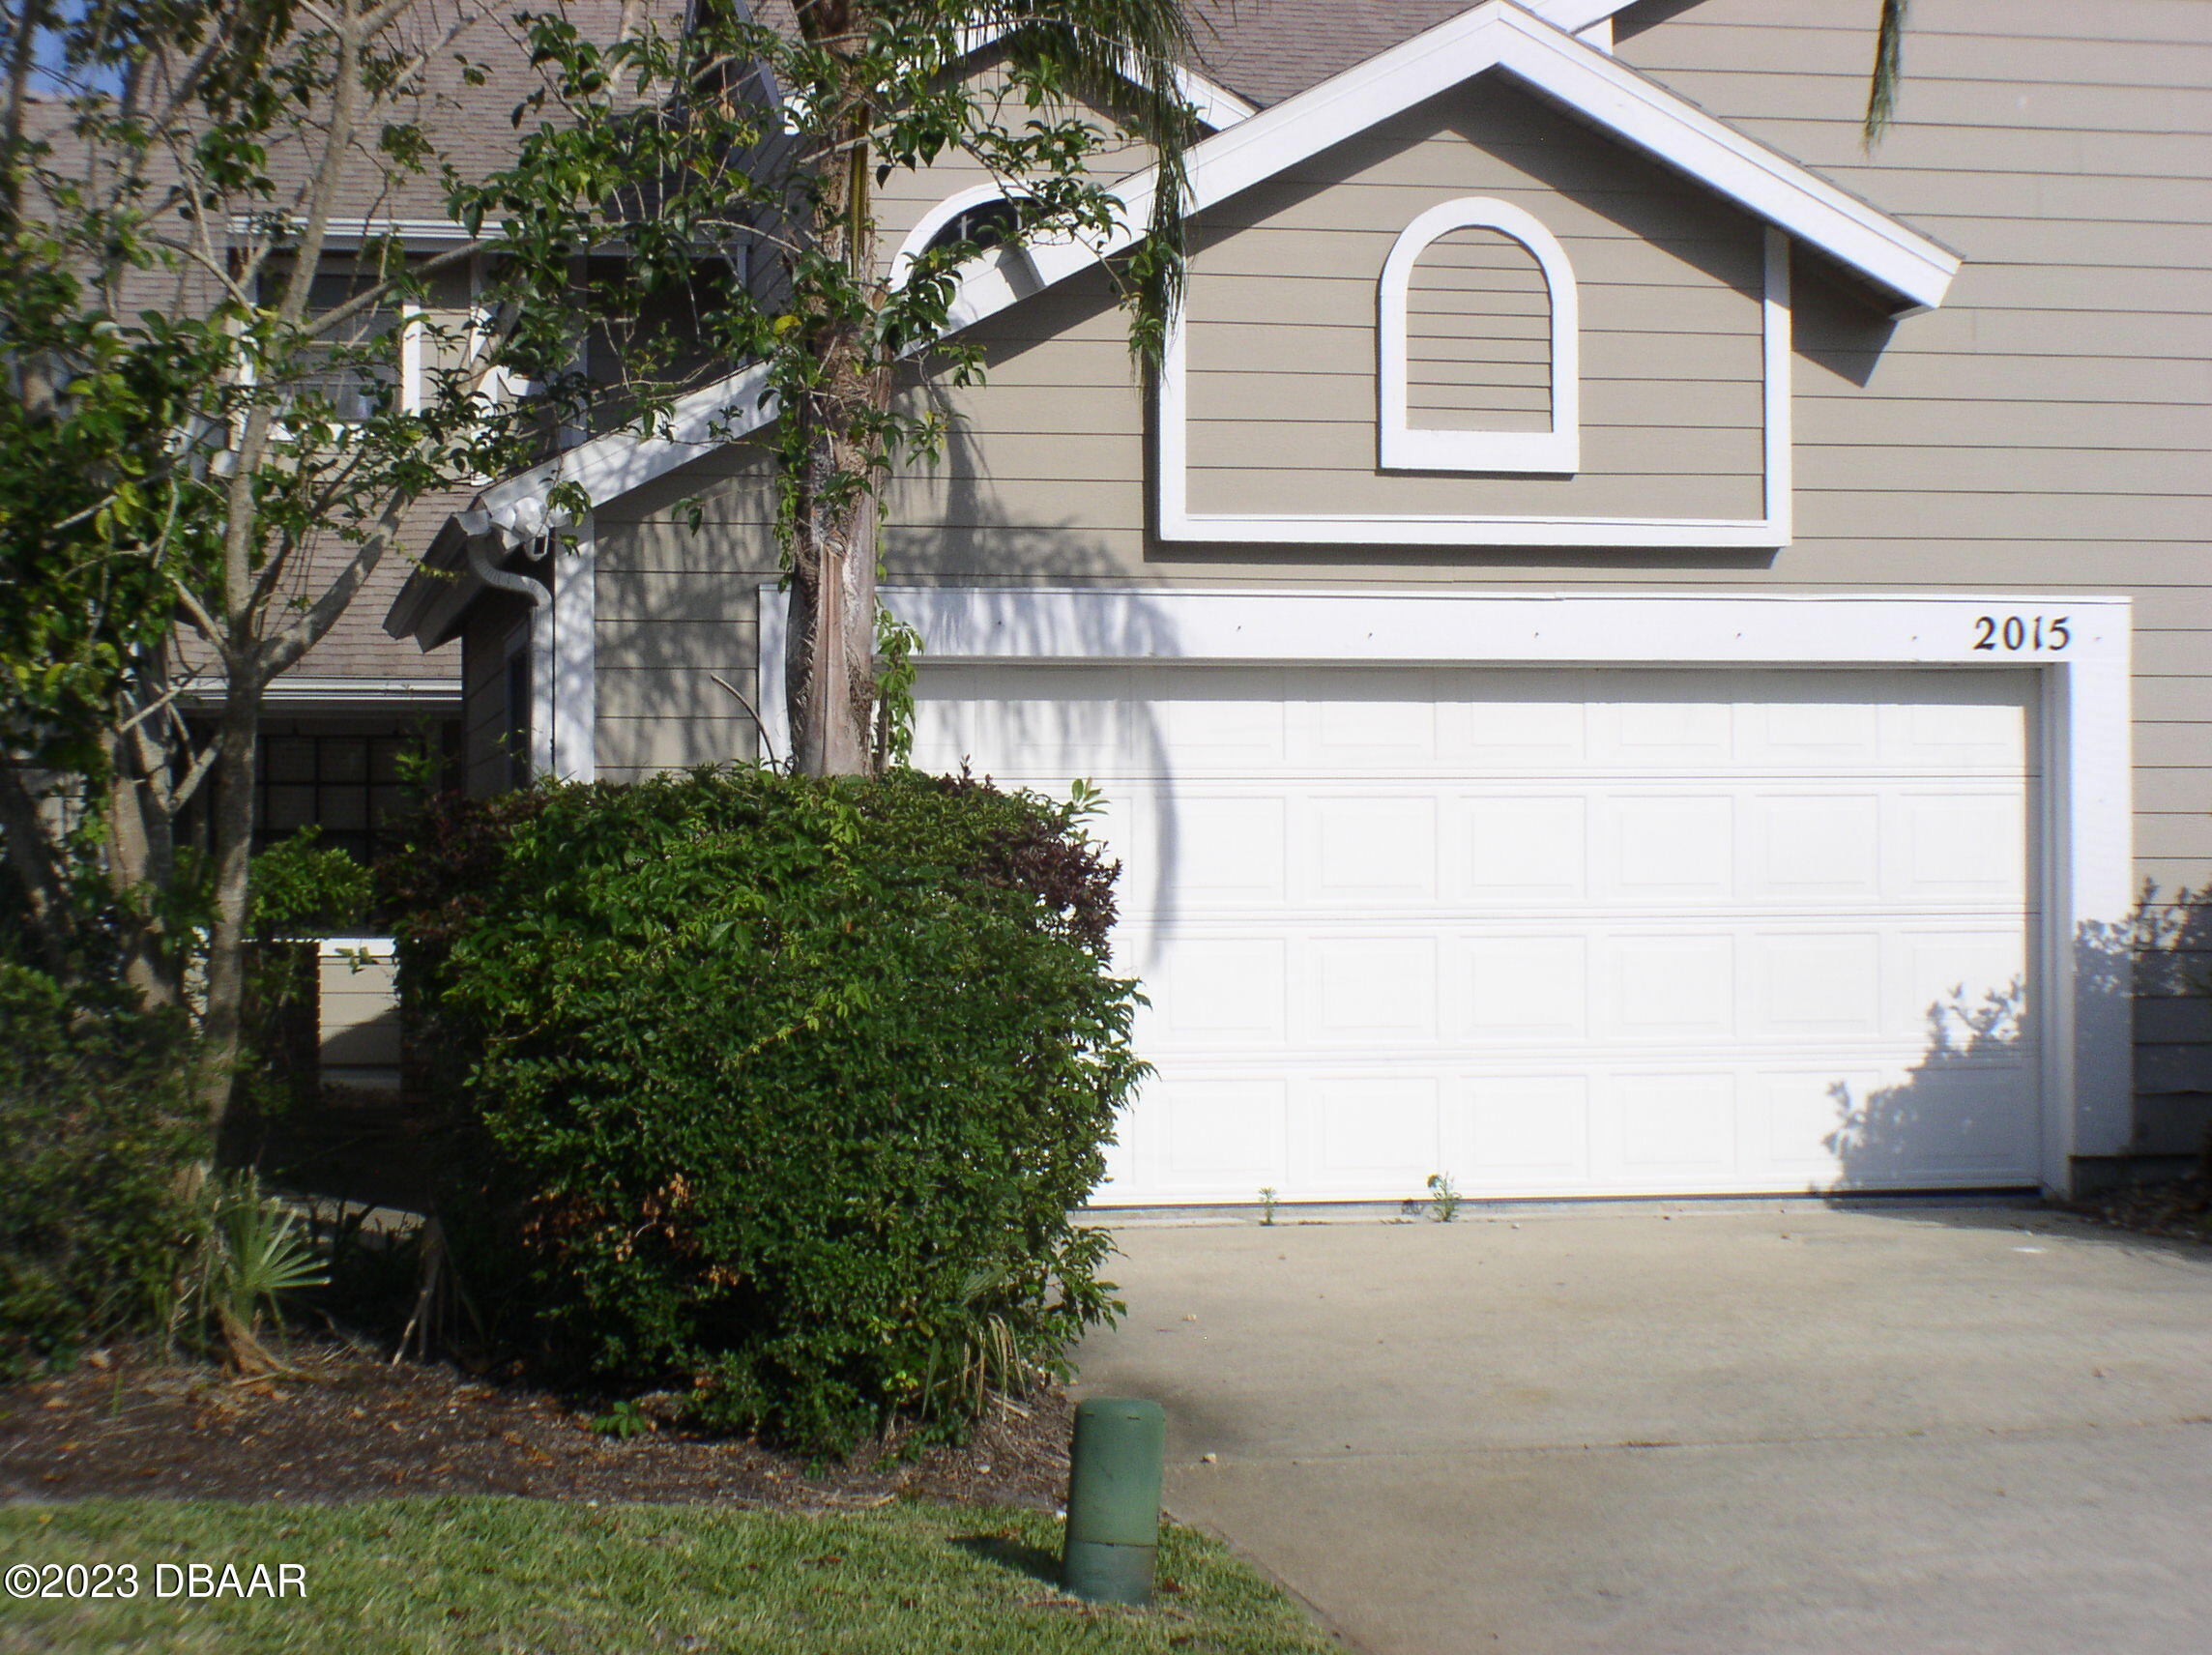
(1537, 51)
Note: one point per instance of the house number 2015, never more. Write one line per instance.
(2015, 633)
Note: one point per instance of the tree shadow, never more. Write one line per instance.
(1958, 1103)
(1010, 1552)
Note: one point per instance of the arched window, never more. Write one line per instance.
(981, 215)
(985, 224)
(1478, 345)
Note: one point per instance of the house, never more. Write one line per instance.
(1634, 646)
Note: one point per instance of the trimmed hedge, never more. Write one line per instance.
(777, 1092)
(96, 1140)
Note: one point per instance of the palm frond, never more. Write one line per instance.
(1132, 49)
(1888, 69)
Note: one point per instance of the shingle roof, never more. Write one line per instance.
(1268, 50)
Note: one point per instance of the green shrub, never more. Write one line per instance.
(775, 1090)
(97, 1143)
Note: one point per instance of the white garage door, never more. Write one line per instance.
(1551, 932)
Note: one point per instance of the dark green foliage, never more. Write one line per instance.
(775, 1090)
(302, 888)
(96, 1142)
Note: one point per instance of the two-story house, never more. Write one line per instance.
(1634, 646)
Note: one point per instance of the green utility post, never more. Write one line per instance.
(1114, 1499)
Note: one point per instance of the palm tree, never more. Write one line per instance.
(1888, 69)
(873, 74)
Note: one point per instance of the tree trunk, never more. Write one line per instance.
(829, 675)
(829, 679)
(141, 869)
(231, 851)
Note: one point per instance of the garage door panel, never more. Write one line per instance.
(1669, 988)
(1508, 849)
(1219, 1139)
(1944, 1120)
(1525, 1134)
(1666, 732)
(1817, 985)
(1222, 851)
(1504, 728)
(1521, 989)
(1823, 732)
(1370, 992)
(1676, 1125)
(1961, 844)
(1371, 723)
(1960, 987)
(1958, 729)
(1553, 931)
(1668, 848)
(1816, 845)
(1368, 1128)
(1217, 991)
(1365, 851)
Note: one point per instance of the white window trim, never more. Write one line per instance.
(2082, 813)
(1770, 530)
(1405, 446)
(1013, 263)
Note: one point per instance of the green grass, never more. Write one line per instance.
(417, 1577)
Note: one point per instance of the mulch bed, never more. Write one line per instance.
(354, 1426)
(2181, 1209)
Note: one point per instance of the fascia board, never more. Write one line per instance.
(1498, 35)
(1215, 104)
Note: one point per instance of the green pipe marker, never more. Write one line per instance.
(1114, 1499)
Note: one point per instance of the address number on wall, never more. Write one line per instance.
(2021, 634)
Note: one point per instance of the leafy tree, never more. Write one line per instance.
(866, 88)
(205, 452)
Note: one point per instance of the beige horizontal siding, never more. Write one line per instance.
(1668, 284)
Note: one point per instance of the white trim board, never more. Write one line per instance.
(2084, 813)
(572, 753)
(1177, 522)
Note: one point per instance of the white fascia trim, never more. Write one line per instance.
(573, 751)
(2084, 810)
(286, 692)
(1211, 101)
(1768, 532)
(342, 232)
(1500, 35)
(1404, 446)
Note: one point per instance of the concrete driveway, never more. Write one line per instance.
(1762, 1430)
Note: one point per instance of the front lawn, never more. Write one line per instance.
(417, 1577)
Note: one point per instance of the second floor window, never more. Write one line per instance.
(360, 367)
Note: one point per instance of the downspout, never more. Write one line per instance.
(540, 644)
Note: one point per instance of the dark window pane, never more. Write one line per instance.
(345, 808)
(289, 759)
(984, 224)
(287, 808)
(343, 758)
(384, 758)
